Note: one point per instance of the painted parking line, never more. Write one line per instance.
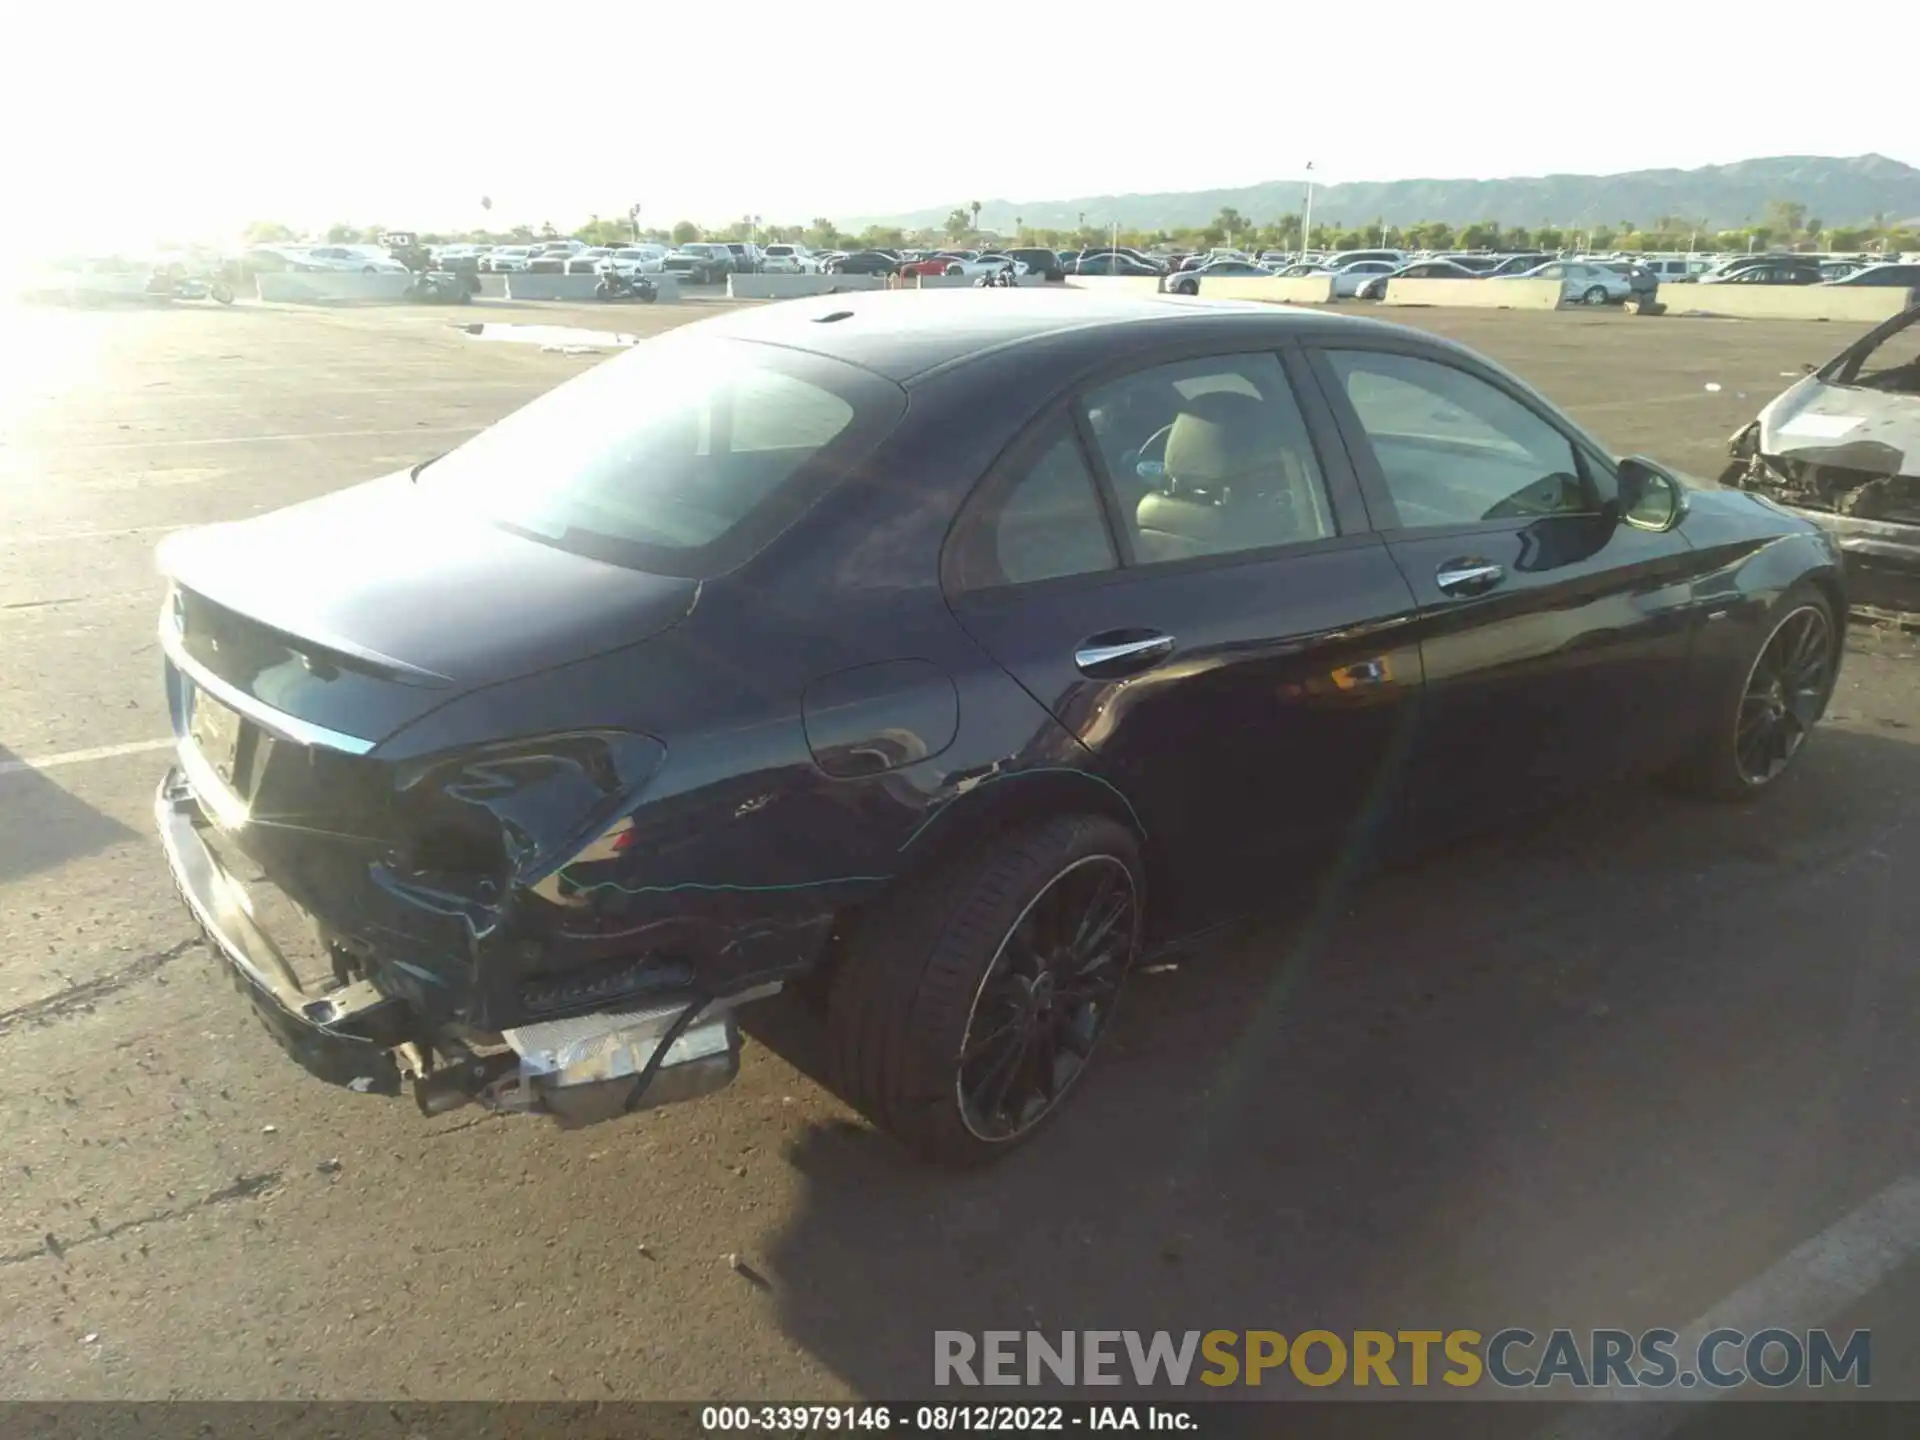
(1806, 1287)
(55, 602)
(286, 436)
(51, 537)
(82, 757)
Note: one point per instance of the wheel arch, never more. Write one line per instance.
(982, 812)
(1827, 582)
(1008, 801)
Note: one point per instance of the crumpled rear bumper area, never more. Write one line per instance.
(578, 1070)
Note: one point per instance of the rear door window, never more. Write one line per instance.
(1210, 457)
(1039, 520)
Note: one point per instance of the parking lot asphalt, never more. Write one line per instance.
(1605, 1071)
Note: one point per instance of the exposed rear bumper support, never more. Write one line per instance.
(345, 1036)
(579, 1070)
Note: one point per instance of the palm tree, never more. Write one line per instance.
(975, 207)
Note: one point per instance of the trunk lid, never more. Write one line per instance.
(361, 611)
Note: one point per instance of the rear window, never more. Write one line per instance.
(681, 456)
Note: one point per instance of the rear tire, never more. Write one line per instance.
(964, 951)
(1724, 767)
(1597, 295)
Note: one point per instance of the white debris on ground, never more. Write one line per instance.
(563, 339)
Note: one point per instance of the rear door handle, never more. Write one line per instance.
(1468, 577)
(1121, 652)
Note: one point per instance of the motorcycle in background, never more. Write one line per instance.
(175, 281)
(438, 287)
(615, 286)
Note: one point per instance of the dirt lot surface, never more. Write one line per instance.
(1604, 1072)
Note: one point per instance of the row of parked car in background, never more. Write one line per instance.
(1356, 274)
(1588, 279)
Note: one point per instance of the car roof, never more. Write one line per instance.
(903, 335)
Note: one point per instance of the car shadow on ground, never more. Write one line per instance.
(1598, 1071)
(45, 825)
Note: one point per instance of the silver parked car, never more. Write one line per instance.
(1348, 279)
(641, 259)
(1580, 280)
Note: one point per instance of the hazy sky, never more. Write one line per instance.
(195, 117)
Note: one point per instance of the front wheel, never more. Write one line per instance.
(1597, 295)
(1760, 726)
(966, 1009)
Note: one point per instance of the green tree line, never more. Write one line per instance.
(1785, 223)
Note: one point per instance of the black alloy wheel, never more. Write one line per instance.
(1786, 691)
(1769, 701)
(962, 1010)
(1046, 998)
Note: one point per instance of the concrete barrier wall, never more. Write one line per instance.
(1128, 284)
(1477, 294)
(495, 287)
(791, 287)
(1279, 289)
(551, 287)
(329, 287)
(1867, 303)
(960, 282)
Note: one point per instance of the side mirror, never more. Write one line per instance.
(1650, 498)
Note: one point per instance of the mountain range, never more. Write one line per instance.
(1838, 191)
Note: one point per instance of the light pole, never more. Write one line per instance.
(753, 230)
(633, 219)
(1306, 225)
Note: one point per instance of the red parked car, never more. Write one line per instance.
(934, 264)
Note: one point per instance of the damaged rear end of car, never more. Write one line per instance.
(1842, 448)
(399, 923)
(420, 728)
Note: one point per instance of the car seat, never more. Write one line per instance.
(1238, 477)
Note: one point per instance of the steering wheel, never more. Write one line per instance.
(1152, 450)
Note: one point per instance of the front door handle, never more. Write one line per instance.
(1109, 656)
(1468, 577)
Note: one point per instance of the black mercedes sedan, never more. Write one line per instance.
(937, 656)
